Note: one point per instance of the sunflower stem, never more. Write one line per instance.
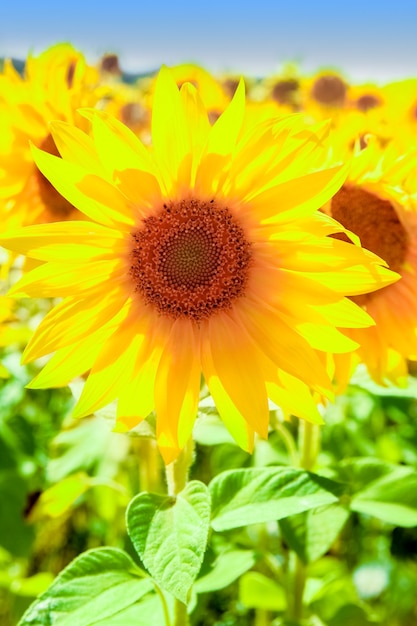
(149, 466)
(309, 447)
(177, 471)
(177, 476)
(309, 444)
(287, 439)
(261, 618)
(164, 605)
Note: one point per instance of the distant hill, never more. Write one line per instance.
(18, 64)
(127, 77)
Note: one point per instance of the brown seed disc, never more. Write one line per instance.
(367, 102)
(376, 223)
(284, 91)
(329, 90)
(190, 259)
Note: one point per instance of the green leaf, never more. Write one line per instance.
(254, 495)
(170, 535)
(79, 448)
(384, 490)
(351, 615)
(256, 591)
(97, 585)
(59, 498)
(147, 612)
(358, 473)
(392, 498)
(227, 568)
(312, 533)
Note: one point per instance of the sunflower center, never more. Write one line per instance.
(285, 91)
(329, 90)
(375, 221)
(190, 259)
(56, 204)
(367, 102)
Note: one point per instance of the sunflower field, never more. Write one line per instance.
(208, 347)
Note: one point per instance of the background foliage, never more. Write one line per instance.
(65, 486)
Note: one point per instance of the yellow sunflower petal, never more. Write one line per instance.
(177, 387)
(236, 423)
(294, 398)
(109, 372)
(170, 131)
(56, 279)
(92, 195)
(76, 146)
(68, 240)
(72, 320)
(235, 364)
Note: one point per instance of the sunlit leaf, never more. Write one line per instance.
(254, 495)
(170, 535)
(95, 586)
(312, 533)
(227, 568)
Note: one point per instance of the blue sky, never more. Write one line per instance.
(363, 39)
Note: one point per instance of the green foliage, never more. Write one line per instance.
(235, 551)
(250, 496)
(227, 568)
(170, 535)
(312, 534)
(387, 491)
(93, 589)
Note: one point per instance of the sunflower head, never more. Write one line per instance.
(204, 254)
(54, 85)
(376, 206)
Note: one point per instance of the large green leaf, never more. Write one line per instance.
(97, 585)
(254, 495)
(170, 535)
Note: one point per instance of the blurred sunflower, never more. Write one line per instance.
(401, 108)
(323, 95)
(54, 85)
(365, 97)
(206, 254)
(375, 205)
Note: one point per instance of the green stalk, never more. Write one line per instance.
(261, 618)
(177, 476)
(309, 447)
(149, 466)
(164, 605)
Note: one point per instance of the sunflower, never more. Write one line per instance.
(324, 94)
(375, 204)
(55, 84)
(401, 99)
(283, 87)
(205, 254)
